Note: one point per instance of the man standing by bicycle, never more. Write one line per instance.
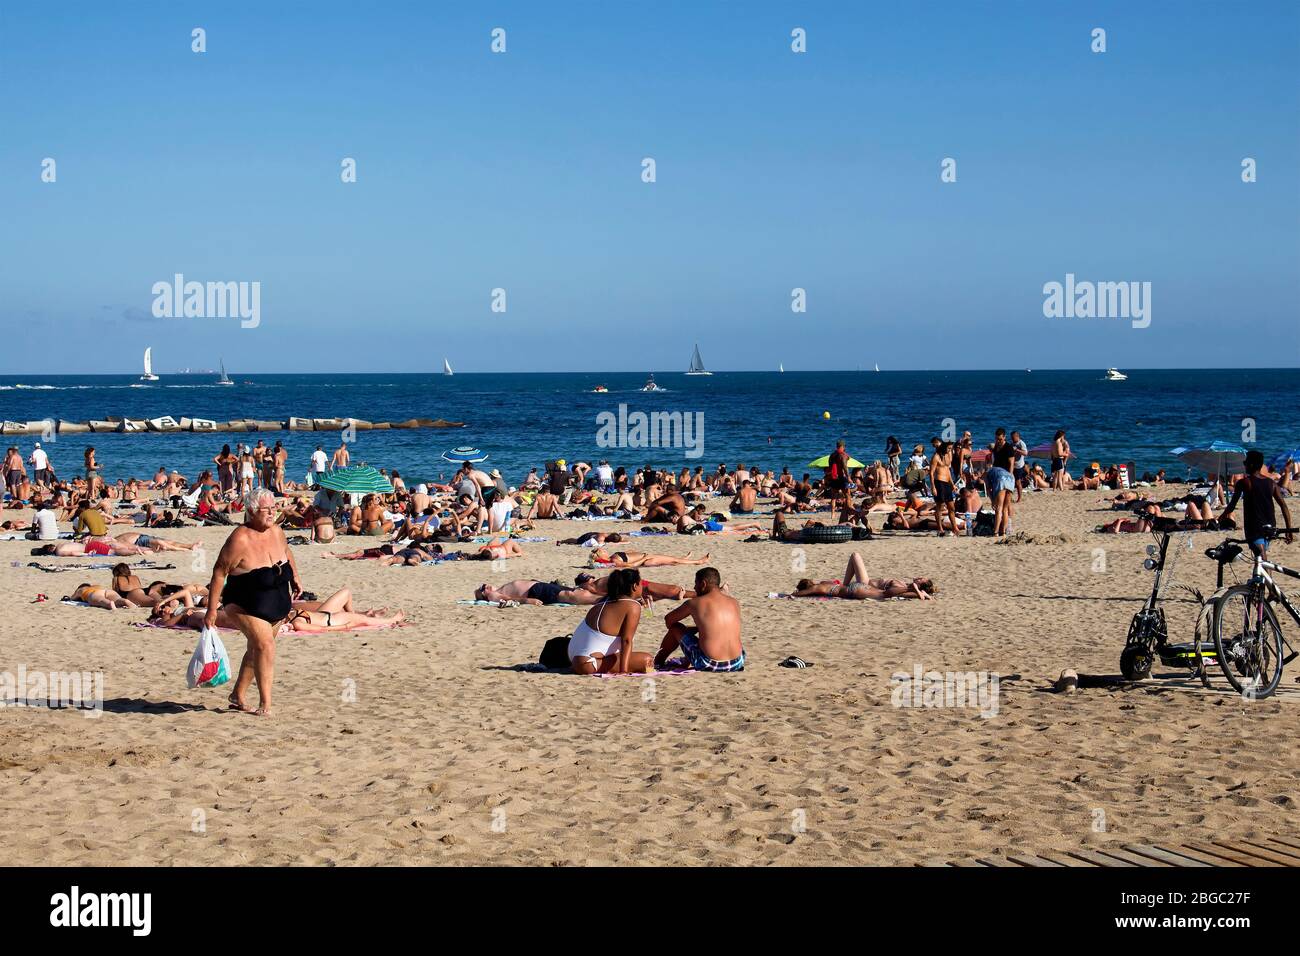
(1259, 492)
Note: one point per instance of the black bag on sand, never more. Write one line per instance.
(555, 652)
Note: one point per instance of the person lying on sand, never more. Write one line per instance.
(132, 588)
(592, 539)
(497, 551)
(95, 547)
(151, 542)
(528, 591)
(602, 641)
(899, 521)
(319, 622)
(652, 590)
(713, 644)
(640, 559)
(105, 598)
(389, 555)
(859, 586)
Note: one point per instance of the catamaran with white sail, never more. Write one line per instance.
(148, 375)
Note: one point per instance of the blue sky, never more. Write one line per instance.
(522, 171)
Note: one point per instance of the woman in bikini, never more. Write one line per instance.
(859, 586)
(602, 641)
(498, 551)
(317, 622)
(640, 559)
(256, 579)
(106, 598)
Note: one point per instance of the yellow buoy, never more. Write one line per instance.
(826, 414)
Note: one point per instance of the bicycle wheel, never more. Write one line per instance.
(1248, 641)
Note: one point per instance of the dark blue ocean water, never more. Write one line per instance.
(761, 418)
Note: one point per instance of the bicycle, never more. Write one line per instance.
(1247, 637)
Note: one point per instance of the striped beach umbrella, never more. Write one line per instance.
(464, 453)
(356, 480)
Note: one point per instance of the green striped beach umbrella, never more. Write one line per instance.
(357, 480)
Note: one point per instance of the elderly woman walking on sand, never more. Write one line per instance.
(254, 582)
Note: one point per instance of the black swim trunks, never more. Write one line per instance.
(943, 492)
(548, 592)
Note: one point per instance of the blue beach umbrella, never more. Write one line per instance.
(464, 453)
(1281, 459)
(1214, 458)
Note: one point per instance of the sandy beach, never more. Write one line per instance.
(434, 744)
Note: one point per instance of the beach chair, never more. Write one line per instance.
(1126, 475)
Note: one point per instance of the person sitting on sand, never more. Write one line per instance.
(528, 591)
(743, 503)
(640, 559)
(857, 585)
(602, 641)
(667, 507)
(713, 644)
(369, 518)
(545, 506)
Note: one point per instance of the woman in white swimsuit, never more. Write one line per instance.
(595, 650)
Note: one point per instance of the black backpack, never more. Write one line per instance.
(555, 652)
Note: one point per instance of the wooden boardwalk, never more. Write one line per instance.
(1270, 851)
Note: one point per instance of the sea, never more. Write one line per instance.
(767, 420)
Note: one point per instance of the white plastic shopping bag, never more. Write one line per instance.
(210, 665)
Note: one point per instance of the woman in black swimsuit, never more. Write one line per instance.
(256, 579)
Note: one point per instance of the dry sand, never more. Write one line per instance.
(451, 753)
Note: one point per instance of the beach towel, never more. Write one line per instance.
(22, 536)
(210, 664)
(509, 604)
(99, 566)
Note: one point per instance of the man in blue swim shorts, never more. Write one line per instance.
(713, 644)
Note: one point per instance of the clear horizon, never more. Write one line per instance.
(775, 171)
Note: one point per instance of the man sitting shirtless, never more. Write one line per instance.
(713, 644)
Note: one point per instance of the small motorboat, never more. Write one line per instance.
(599, 389)
(1115, 375)
(650, 385)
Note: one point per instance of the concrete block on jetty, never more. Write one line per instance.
(381, 426)
(73, 428)
(301, 425)
(409, 423)
(441, 423)
(97, 425)
(328, 424)
(15, 428)
(359, 424)
(164, 423)
(265, 426)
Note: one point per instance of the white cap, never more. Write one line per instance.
(38, 444)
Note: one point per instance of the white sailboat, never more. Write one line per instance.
(780, 367)
(148, 375)
(697, 364)
(877, 366)
(225, 379)
(446, 368)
